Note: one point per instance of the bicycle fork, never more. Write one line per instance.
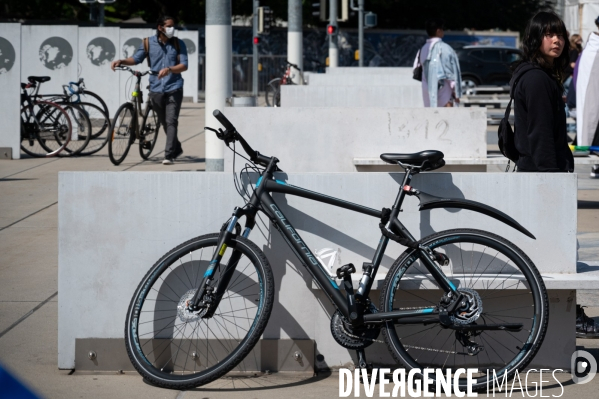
(207, 297)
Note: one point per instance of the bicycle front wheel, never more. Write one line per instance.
(41, 127)
(174, 348)
(123, 133)
(149, 132)
(503, 286)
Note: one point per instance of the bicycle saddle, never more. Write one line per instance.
(40, 79)
(429, 159)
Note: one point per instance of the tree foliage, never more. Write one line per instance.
(392, 14)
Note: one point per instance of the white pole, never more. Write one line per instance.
(295, 38)
(333, 48)
(218, 75)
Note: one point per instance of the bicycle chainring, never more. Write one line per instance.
(350, 338)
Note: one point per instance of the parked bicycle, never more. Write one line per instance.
(97, 111)
(273, 88)
(45, 126)
(455, 299)
(126, 127)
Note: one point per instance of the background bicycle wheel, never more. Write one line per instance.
(41, 141)
(81, 130)
(100, 126)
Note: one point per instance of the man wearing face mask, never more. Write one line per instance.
(167, 55)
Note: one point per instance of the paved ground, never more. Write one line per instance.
(28, 284)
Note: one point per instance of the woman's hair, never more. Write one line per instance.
(161, 21)
(431, 26)
(573, 45)
(538, 26)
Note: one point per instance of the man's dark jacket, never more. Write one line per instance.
(540, 122)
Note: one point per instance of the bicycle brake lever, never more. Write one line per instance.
(219, 133)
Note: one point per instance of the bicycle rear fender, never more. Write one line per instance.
(428, 201)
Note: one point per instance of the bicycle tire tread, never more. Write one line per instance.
(268, 303)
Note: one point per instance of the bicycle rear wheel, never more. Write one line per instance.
(272, 94)
(149, 132)
(503, 287)
(41, 127)
(81, 130)
(87, 96)
(123, 133)
(174, 348)
(100, 126)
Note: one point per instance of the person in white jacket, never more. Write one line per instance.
(441, 76)
(587, 96)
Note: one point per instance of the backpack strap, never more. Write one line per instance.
(146, 42)
(176, 45)
(178, 48)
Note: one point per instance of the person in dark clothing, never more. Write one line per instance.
(540, 117)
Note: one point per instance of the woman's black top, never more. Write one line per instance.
(540, 122)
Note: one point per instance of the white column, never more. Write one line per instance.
(295, 37)
(218, 75)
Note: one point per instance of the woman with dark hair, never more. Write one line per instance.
(536, 86)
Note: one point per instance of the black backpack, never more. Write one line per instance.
(505, 133)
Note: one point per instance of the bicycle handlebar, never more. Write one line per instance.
(231, 134)
(136, 73)
(293, 65)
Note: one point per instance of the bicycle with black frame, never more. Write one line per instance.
(45, 126)
(460, 298)
(126, 127)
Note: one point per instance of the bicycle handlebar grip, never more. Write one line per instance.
(223, 120)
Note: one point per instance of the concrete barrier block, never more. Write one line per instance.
(10, 81)
(328, 139)
(369, 71)
(114, 226)
(322, 79)
(401, 96)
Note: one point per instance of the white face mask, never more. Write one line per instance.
(169, 32)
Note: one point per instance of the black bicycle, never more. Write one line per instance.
(455, 299)
(126, 127)
(45, 126)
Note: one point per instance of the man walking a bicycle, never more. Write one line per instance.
(167, 56)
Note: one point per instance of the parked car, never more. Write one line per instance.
(486, 65)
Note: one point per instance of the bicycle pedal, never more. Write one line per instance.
(146, 145)
(345, 270)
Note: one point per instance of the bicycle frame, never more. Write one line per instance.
(261, 199)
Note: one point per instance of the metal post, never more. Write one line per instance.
(101, 15)
(218, 75)
(295, 38)
(361, 31)
(255, 52)
(93, 12)
(333, 49)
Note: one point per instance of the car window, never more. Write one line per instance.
(512, 56)
(487, 55)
